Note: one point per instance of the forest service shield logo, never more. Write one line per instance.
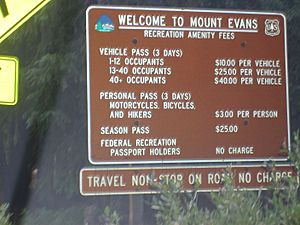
(272, 27)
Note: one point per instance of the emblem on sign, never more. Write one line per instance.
(104, 24)
(272, 27)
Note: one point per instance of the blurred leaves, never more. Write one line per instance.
(4, 215)
(280, 205)
(109, 217)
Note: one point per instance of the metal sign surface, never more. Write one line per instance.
(185, 86)
(16, 12)
(9, 80)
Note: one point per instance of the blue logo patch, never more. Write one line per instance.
(104, 24)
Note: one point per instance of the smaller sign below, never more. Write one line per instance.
(9, 77)
(138, 180)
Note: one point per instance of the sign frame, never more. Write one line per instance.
(177, 10)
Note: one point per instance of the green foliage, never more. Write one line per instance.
(236, 206)
(109, 217)
(295, 153)
(4, 217)
(172, 205)
(175, 207)
(284, 205)
(43, 216)
(233, 206)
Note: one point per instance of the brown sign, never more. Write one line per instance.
(180, 86)
(96, 181)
